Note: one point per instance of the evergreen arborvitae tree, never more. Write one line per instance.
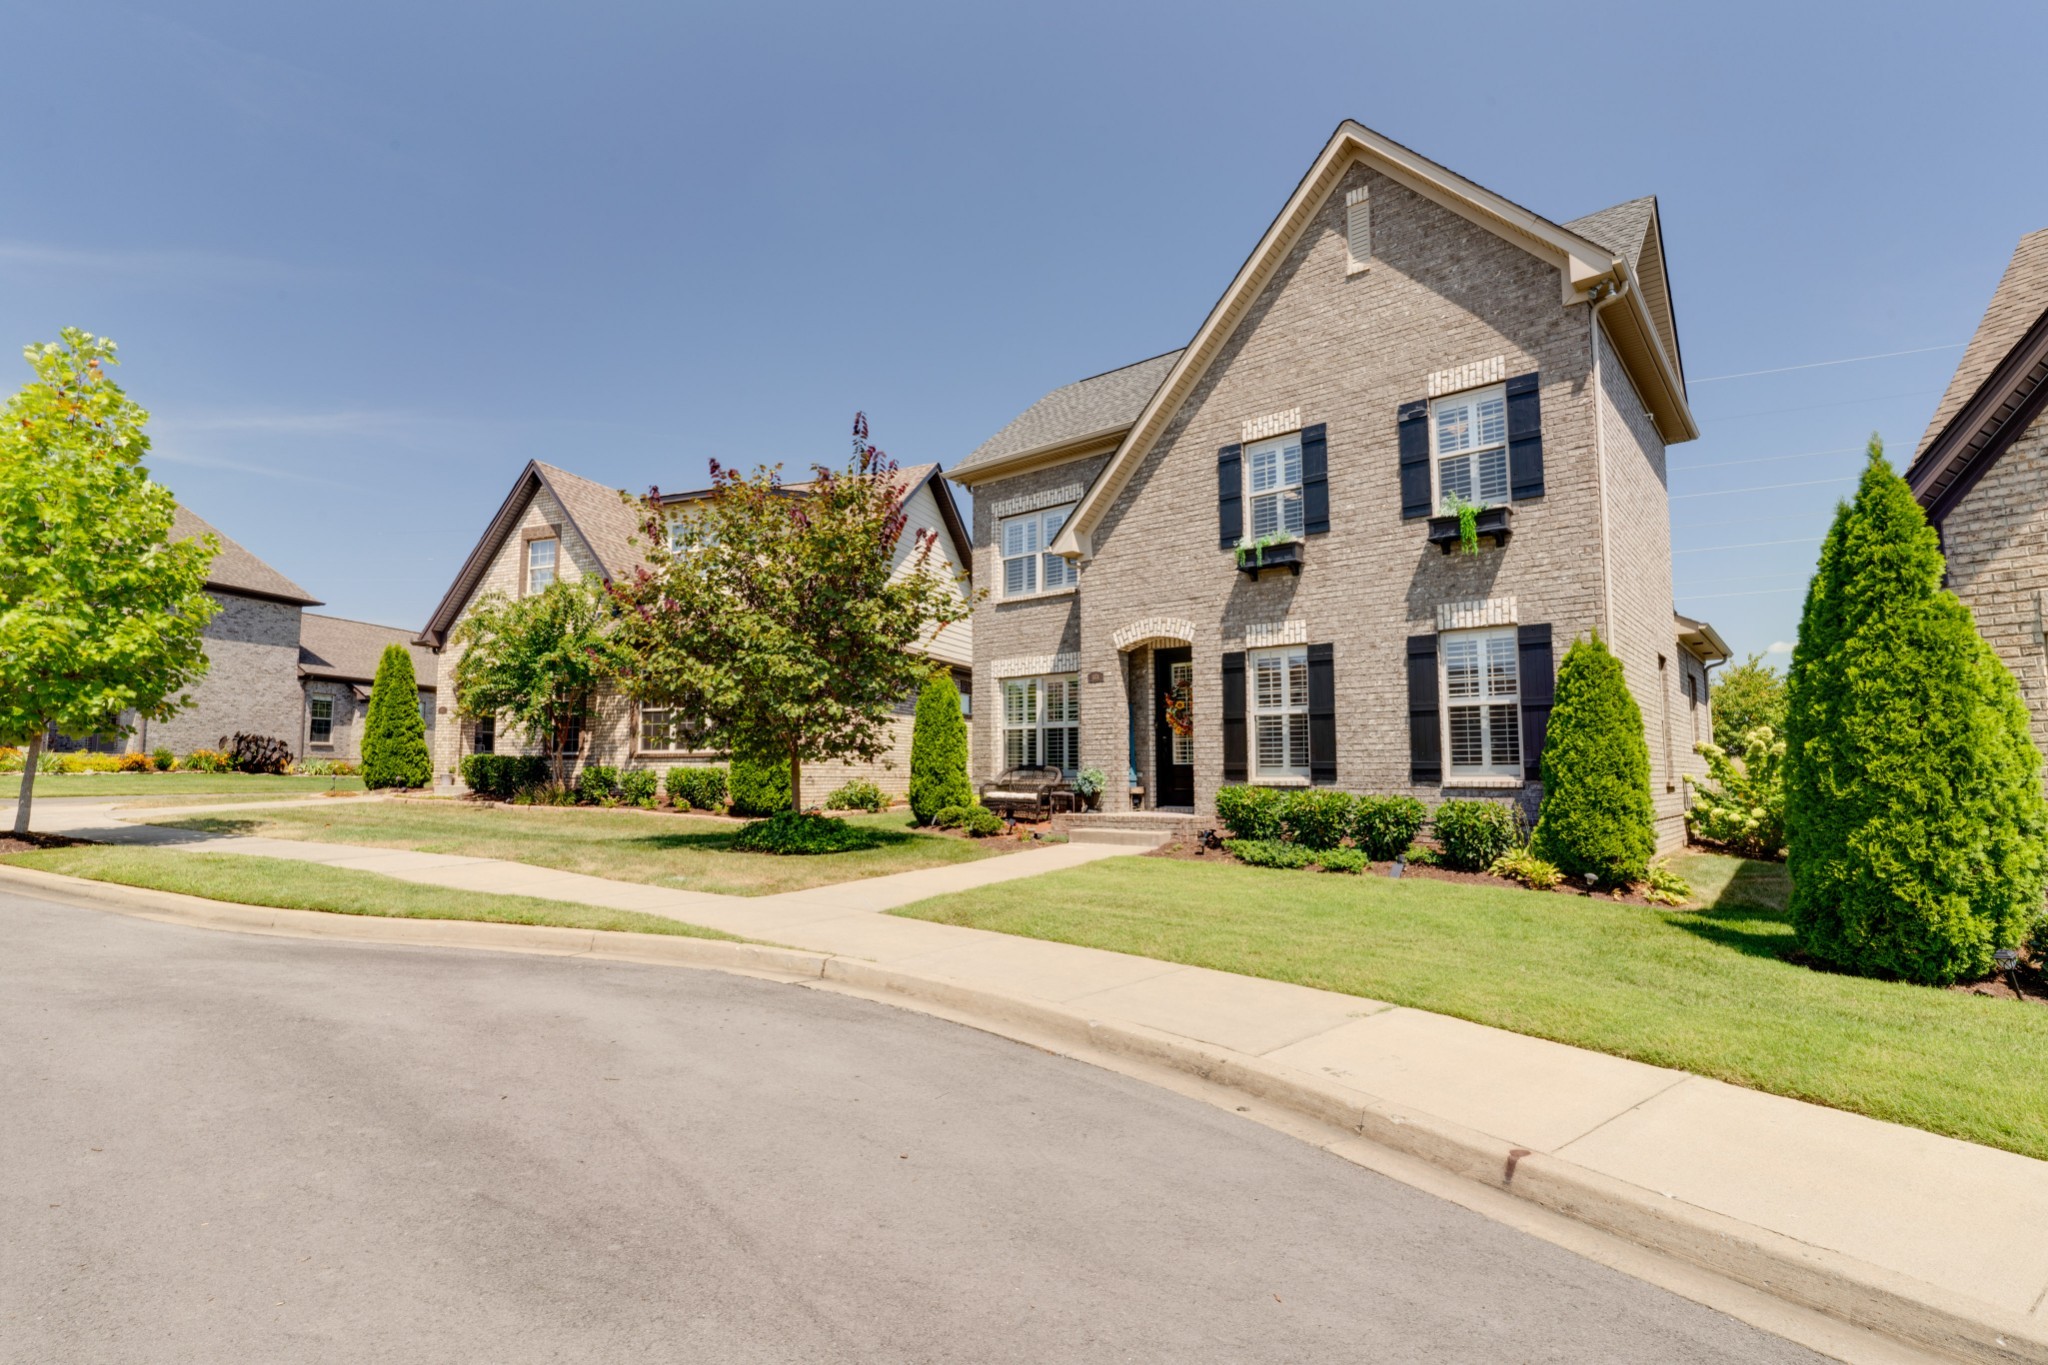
(1914, 820)
(394, 735)
(1597, 815)
(938, 752)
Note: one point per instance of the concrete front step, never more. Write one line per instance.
(1129, 838)
(1151, 828)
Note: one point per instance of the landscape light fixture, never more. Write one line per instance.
(2008, 961)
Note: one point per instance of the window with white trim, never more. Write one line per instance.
(1272, 477)
(540, 565)
(1029, 566)
(1280, 712)
(1482, 702)
(483, 738)
(321, 728)
(1042, 723)
(665, 730)
(1468, 435)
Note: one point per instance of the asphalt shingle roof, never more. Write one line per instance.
(234, 569)
(1102, 403)
(608, 522)
(2021, 298)
(1621, 229)
(335, 647)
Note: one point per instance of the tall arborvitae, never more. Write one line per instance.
(1914, 817)
(394, 733)
(1597, 817)
(938, 751)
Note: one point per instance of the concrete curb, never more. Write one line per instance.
(1840, 1286)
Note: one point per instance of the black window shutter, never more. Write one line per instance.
(1425, 729)
(1413, 420)
(1229, 496)
(1235, 766)
(1315, 479)
(1539, 686)
(1525, 438)
(1322, 715)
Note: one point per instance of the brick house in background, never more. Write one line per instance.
(1399, 334)
(554, 524)
(338, 661)
(1981, 473)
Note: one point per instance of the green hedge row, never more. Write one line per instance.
(1379, 828)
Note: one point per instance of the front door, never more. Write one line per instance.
(1173, 685)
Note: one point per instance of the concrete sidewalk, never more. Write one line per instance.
(1939, 1241)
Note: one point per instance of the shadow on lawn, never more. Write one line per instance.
(858, 838)
(1747, 914)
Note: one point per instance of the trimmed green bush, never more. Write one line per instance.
(938, 752)
(1341, 860)
(1914, 821)
(1250, 812)
(394, 732)
(164, 759)
(500, 777)
(1268, 853)
(597, 785)
(759, 786)
(1382, 827)
(981, 822)
(700, 788)
(1474, 833)
(790, 834)
(952, 817)
(1596, 816)
(1316, 819)
(858, 794)
(637, 787)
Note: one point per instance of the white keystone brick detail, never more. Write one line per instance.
(1171, 628)
(1269, 633)
(1491, 611)
(1469, 376)
(1272, 424)
(1044, 497)
(1032, 665)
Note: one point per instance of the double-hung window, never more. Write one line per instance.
(1029, 566)
(483, 737)
(540, 565)
(664, 730)
(1042, 723)
(321, 730)
(1280, 712)
(1273, 484)
(1469, 436)
(1482, 702)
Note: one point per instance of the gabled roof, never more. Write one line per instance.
(1096, 409)
(1999, 386)
(1586, 268)
(234, 569)
(342, 650)
(1634, 231)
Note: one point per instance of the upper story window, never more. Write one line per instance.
(540, 564)
(1029, 568)
(1469, 442)
(1482, 702)
(1272, 474)
(1280, 712)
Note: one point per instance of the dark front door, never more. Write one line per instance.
(1173, 699)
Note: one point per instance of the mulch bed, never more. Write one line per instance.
(25, 843)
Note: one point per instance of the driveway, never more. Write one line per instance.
(229, 1149)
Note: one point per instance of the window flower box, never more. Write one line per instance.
(1491, 523)
(1255, 559)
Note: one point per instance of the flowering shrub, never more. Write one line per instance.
(1744, 810)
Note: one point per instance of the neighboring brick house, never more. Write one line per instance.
(338, 661)
(554, 524)
(1397, 335)
(1982, 474)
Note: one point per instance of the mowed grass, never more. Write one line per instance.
(692, 853)
(1706, 991)
(288, 885)
(255, 786)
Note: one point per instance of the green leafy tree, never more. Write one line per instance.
(1915, 825)
(779, 613)
(394, 733)
(100, 614)
(1597, 817)
(538, 661)
(1747, 696)
(938, 751)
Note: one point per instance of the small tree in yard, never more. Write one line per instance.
(1915, 825)
(1596, 816)
(779, 615)
(394, 733)
(1746, 696)
(537, 661)
(938, 751)
(99, 613)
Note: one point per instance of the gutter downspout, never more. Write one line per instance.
(1600, 296)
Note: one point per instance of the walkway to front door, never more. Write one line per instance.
(1173, 678)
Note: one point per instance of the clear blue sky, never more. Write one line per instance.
(363, 261)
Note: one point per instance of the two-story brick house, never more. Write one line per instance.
(1233, 562)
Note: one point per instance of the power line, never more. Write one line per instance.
(1846, 402)
(1752, 521)
(1752, 545)
(1823, 364)
(1760, 592)
(1760, 488)
(1765, 459)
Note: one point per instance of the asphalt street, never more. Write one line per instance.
(219, 1148)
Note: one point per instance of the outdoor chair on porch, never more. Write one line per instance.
(1030, 789)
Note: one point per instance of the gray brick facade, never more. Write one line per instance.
(251, 683)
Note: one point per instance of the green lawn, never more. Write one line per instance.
(255, 786)
(292, 885)
(628, 845)
(1706, 991)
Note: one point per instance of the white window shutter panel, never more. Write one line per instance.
(1358, 228)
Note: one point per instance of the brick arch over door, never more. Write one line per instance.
(1156, 631)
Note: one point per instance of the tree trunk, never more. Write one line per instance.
(28, 783)
(796, 781)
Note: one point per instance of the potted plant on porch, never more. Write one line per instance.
(1088, 785)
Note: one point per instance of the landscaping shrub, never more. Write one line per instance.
(1596, 816)
(248, 753)
(1341, 860)
(1268, 853)
(952, 817)
(90, 763)
(544, 794)
(597, 785)
(137, 763)
(205, 761)
(938, 752)
(1666, 887)
(500, 777)
(858, 794)
(1316, 819)
(1422, 855)
(1382, 827)
(1743, 811)
(50, 763)
(164, 759)
(1475, 833)
(637, 787)
(10, 759)
(759, 786)
(1520, 865)
(330, 767)
(394, 733)
(981, 822)
(699, 788)
(787, 832)
(1250, 812)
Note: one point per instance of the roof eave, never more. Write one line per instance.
(289, 599)
(1656, 376)
(1052, 453)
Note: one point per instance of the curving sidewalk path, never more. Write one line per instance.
(1928, 1239)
